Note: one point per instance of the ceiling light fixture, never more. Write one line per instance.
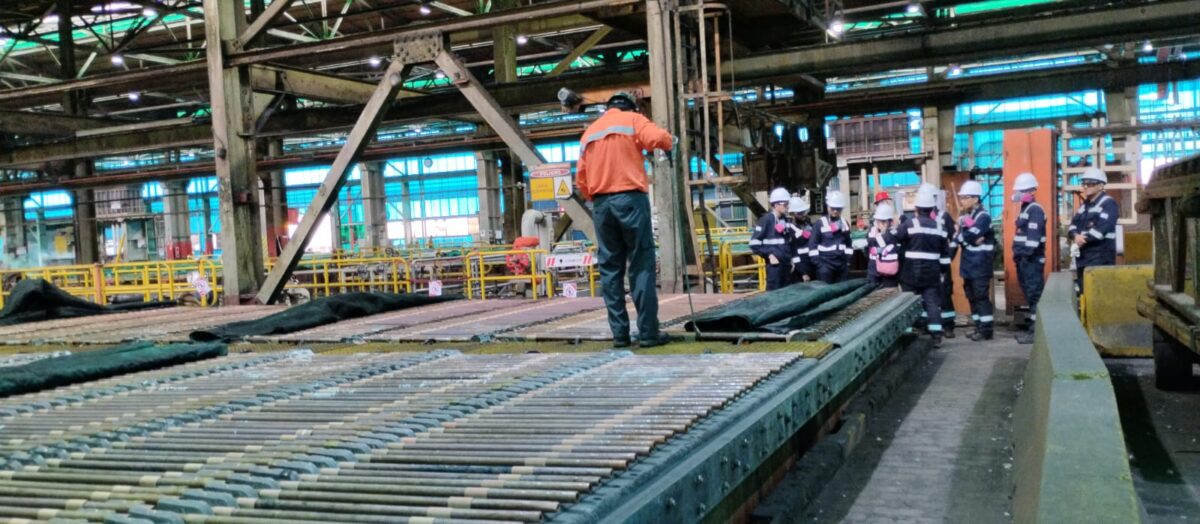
(149, 13)
(522, 39)
(117, 59)
(1147, 47)
(913, 8)
(837, 27)
(425, 10)
(374, 61)
(134, 96)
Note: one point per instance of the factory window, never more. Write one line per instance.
(49, 205)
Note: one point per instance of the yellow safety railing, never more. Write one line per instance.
(479, 272)
(101, 283)
(328, 276)
(730, 272)
(162, 280)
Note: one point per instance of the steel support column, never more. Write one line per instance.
(176, 220)
(406, 203)
(490, 223)
(504, 46)
(232, 127)
(335, 226)
(275, 202)
(14, 228)
(507, 129)
(930, 136)
(374, 205)
(408, 52)
(663, 112)
(945, 130)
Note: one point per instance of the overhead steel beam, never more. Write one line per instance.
(30, 123)
(363, 132)
(961, 43)
(579, 50)
(513, 97)
(255, 29)
(498, 119)
(384, 37)
(313, 85)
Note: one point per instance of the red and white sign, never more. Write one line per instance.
(555, 170)
(566, 260)
(199, 283)
(435, 288)
(569, 290)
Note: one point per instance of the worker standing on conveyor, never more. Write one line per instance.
(770, 240)
(799, 231)
(923, 242)
(979, 247)
(883, 269)
(1029, 247)
(611, 173)
(830, 242)
(947, 223)
(1094, 227)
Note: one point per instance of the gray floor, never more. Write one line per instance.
(939, 451)
(1162, 431)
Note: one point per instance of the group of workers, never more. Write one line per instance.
(915, 252)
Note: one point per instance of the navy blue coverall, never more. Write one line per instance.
(976, 267)
(923, 243)
(770, 238)
(830, 249)
(1096, 220)
(1029, 254)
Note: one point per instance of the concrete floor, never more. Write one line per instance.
(1162, 432)
(940, 450)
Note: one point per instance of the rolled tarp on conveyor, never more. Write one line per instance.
(319, 312)
(757, 311)
(94, 365)
(34, 300)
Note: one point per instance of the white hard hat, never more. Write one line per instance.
(927, 188)
(835, 199)
(884, 212)
(1092, 173)
(797, 205)
(1025, 182)
(971, 188)
(780, 194)
(926, 200)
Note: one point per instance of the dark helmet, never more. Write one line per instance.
(623, 100)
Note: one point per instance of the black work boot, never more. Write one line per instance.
(1025, 337)
(981, 335)
(659, 340)
(621, 343)
(937, 340)
(949, 333)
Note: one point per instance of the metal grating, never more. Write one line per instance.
(364, 438)
(172, 324)
(673, 311)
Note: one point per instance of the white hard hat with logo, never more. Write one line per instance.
(927, 188)
(835, 199)
(779, 195)
(971, 188)
(884, 212)
(1092, 173)
(1025, 182)
(797, 205)
(926, 200)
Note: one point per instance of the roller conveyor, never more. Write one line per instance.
(410, 435)
(152, 324)
(673, 310)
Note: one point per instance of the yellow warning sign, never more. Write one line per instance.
(541, 189)
(563, 187)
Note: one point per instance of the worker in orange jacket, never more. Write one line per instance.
(611, 173)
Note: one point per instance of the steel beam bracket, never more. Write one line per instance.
(420, 48)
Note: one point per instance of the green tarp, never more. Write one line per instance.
(94, 365)
(819, 313)
(319, 312)
(758, 311)
(34, 299)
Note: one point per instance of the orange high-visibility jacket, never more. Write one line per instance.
(610, 153)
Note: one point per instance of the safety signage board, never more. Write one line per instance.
(566, 260)
(555, 170)
(541, 189)
(569, 290)
(435, 288)
(562, 187)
